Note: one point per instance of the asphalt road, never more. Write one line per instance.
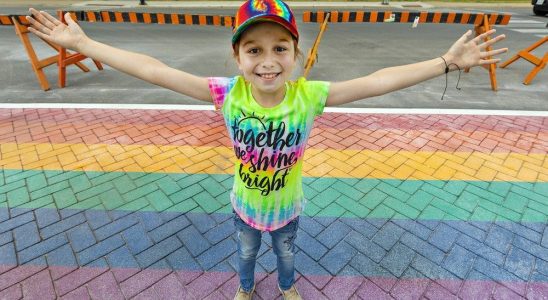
(347, 51)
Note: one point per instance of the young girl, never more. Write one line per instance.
(268, 117)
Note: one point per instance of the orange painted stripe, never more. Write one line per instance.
(345, 16)
(437, 17)
(306, 16)
(359, 16)
(161, 19)
(464, 19)
(202, 20)
(216, 20)
(133, 17)
(479, 19)
(105, 16)
(505, 20)
(387, 14)
(228, 21)
(451, 17)
(423, 16)
(5, 20)
(146, 18)
(188, 19)
(118, 17)
(174, 19)
(91, 16)
(321, 16)
(493, 19)
(334, 16)
(373, 16)
(404, 17)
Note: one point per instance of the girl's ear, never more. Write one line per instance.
(237, 59)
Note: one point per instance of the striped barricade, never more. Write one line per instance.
(482, 23)
(527, 54)
(136, 17)
(405, 17)
(64, 58)
(153, 18)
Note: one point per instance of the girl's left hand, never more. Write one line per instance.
(467, 53)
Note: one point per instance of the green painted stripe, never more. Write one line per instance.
(328, 197)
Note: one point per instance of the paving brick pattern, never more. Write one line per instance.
(115, 204)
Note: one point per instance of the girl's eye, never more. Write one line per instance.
(280, 49)
(253, 51)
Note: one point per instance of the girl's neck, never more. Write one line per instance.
(269, 100)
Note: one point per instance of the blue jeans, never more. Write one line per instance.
(249, 242)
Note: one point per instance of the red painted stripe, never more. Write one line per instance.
(334, 130)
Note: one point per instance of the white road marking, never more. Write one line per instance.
(349, 110)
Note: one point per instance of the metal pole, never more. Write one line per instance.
(142, 2)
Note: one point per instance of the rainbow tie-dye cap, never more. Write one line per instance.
(263, 10)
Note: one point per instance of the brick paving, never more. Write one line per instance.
(114, 204)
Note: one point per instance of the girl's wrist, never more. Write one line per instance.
(449, 62)
(81, 44)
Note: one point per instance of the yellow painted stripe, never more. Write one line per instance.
(423, 165)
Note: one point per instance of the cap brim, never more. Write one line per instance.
(274, 19)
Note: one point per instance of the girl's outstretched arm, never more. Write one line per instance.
(465, 53)
(72, 37)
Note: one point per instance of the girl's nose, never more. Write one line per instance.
(268, 61)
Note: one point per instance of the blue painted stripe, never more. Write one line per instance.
(199, 241)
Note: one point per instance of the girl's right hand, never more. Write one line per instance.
(50, 29)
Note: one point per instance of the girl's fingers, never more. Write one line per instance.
(489, 61)
(37, 26)
(47, 22)
(492, 41)
(38, 16)
(39, 20)
(493, 52)
(41, 16)
(482, 36)
(465, 36)
(68, 19)
(52, 19)
(40, 34)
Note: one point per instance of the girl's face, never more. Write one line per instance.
(266, 57)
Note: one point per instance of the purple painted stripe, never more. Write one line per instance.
(103, 283)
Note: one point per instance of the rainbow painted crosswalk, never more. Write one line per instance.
(117, 203)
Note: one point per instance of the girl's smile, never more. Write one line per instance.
(268, 76)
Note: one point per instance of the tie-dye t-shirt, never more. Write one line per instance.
(269, 145)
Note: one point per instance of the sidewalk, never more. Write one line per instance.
(115, 203)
